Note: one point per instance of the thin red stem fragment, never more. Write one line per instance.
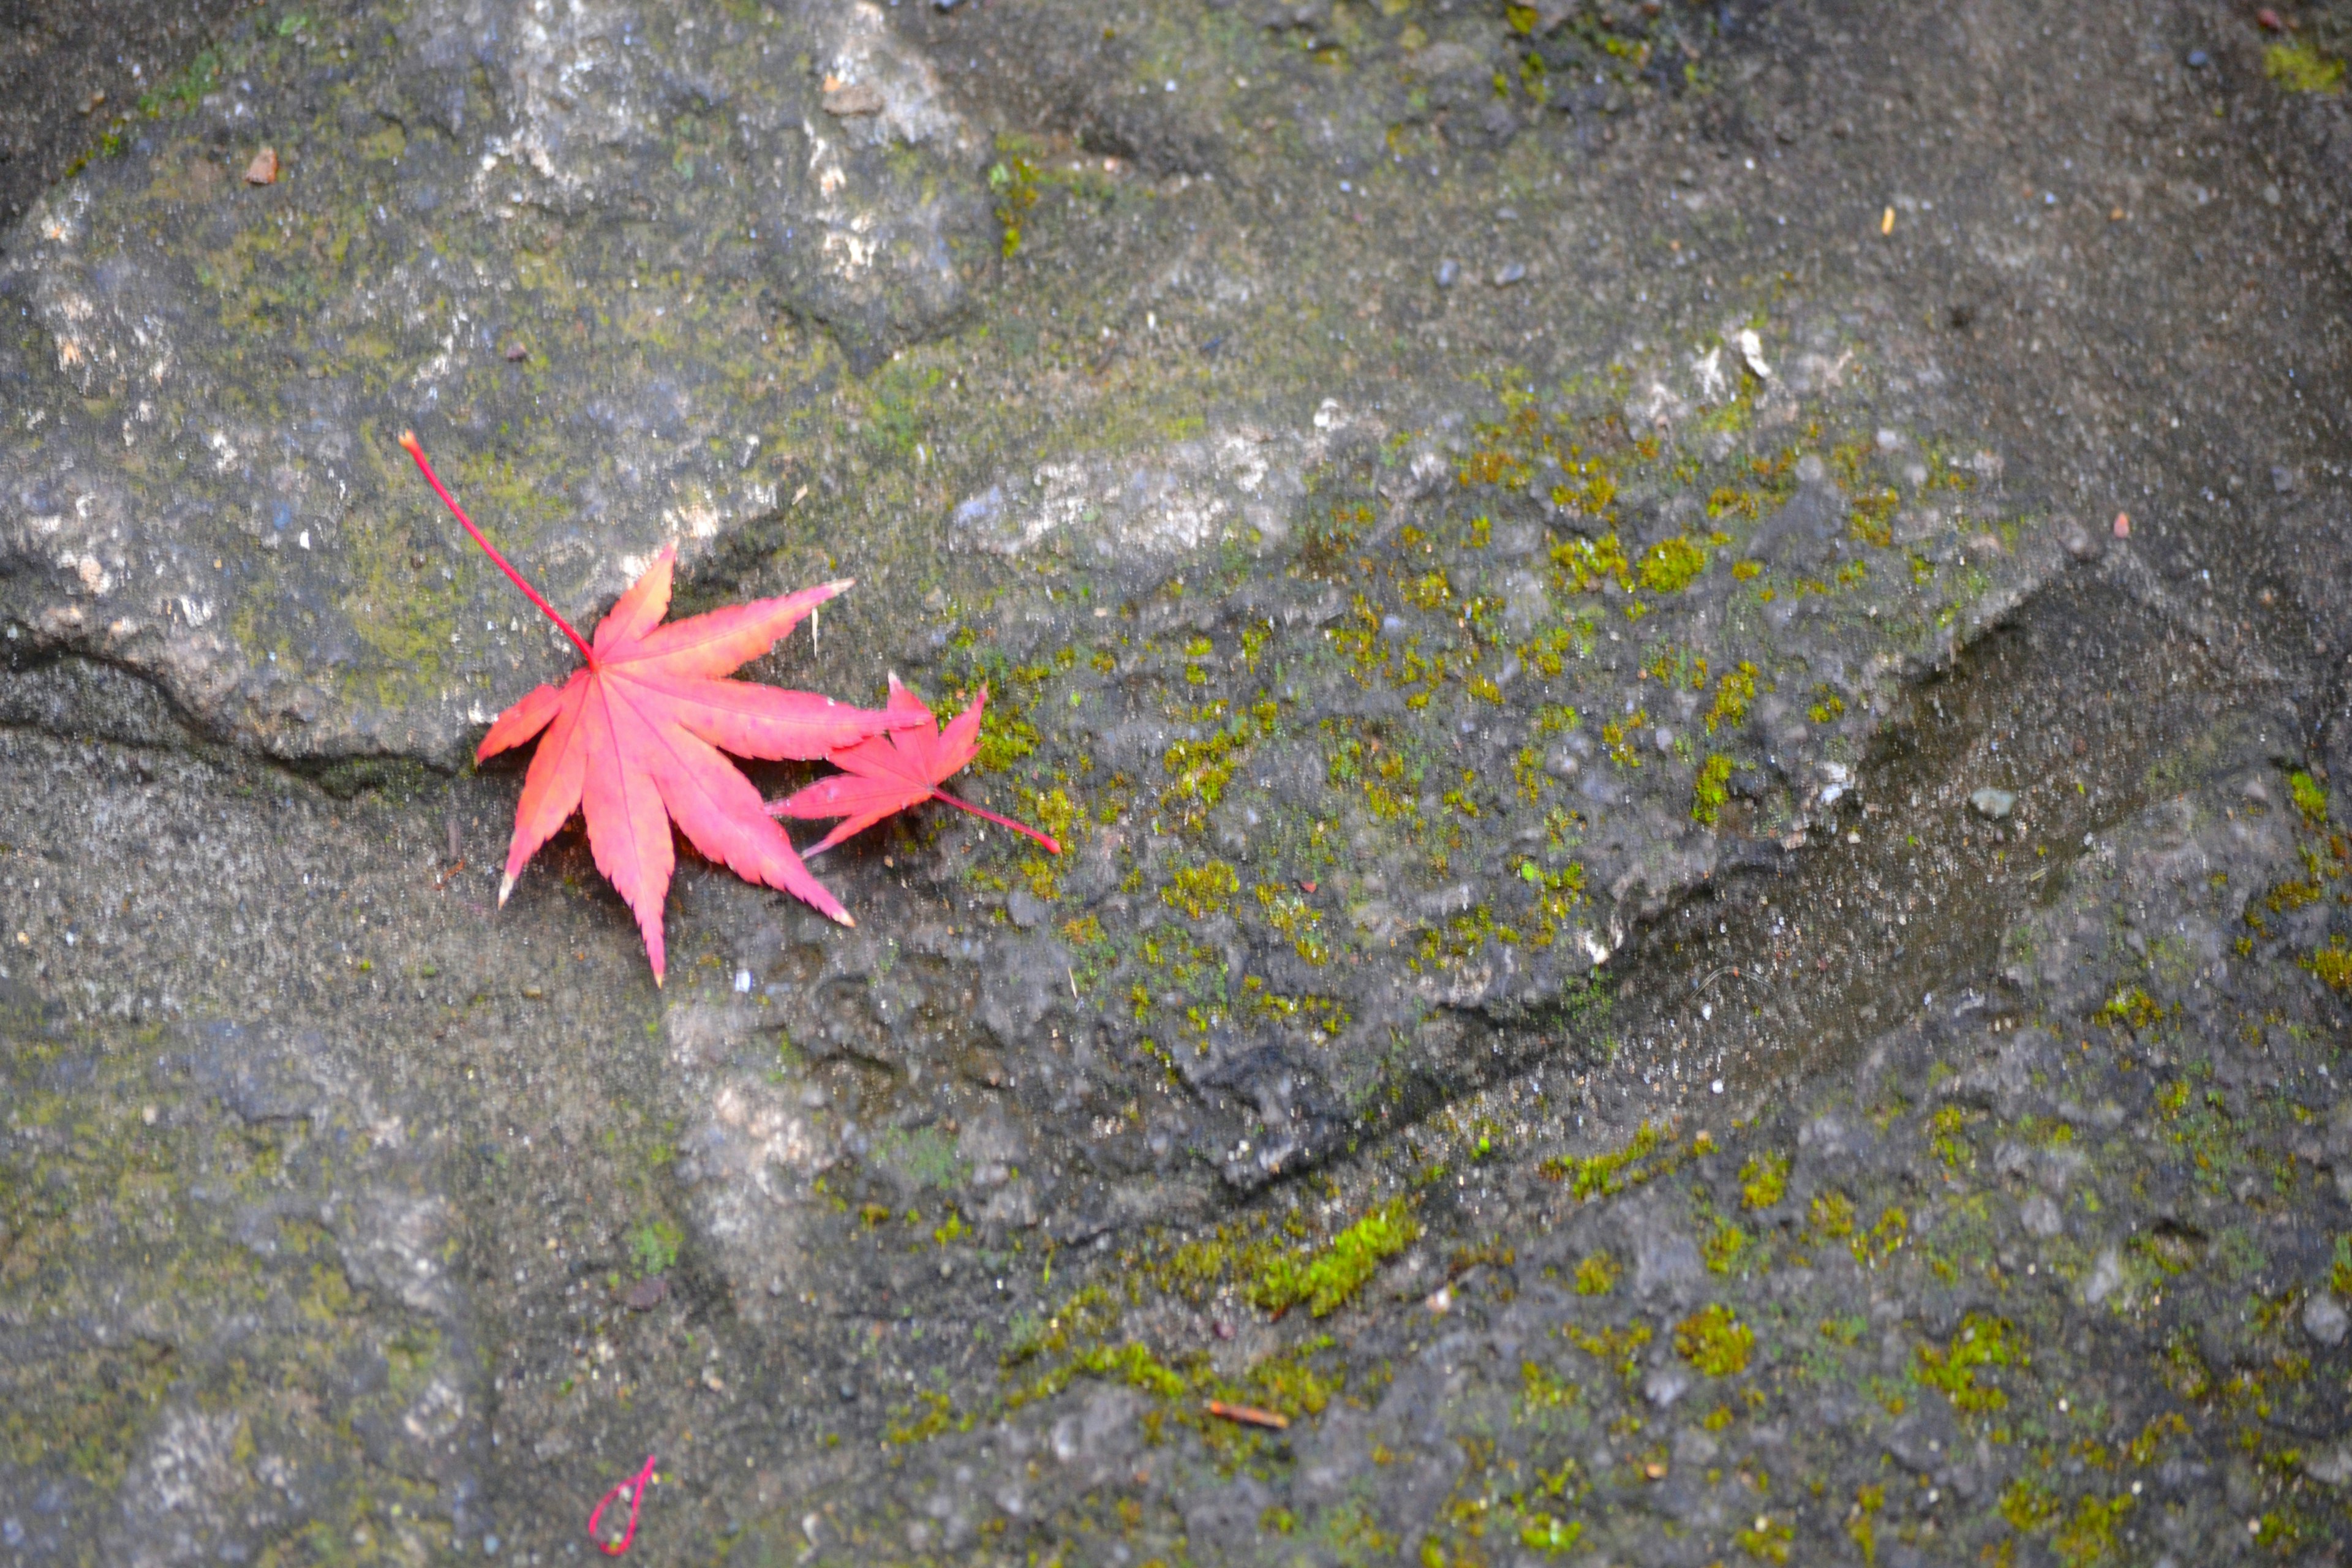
(635, 1487)
(408, 440)
(1250, 1415)
(981, 811)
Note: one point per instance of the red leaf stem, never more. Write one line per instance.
(637, 1490)
(408, 440)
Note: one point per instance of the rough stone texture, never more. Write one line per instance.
(1506, 540)
(557, 241)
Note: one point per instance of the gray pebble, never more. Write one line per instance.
(1993, 803)
(1448, 274)
(2323, 1319)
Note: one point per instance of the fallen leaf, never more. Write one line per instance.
(634, 741)
(263, 170)
(894, 771)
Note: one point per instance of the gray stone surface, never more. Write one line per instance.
(570, 248)
(1504, 540)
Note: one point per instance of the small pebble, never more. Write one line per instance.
(1448, 274)
(1510, 272)
(2199, 59)
(2081, 543)
(1993, 803)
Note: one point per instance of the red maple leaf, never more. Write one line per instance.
(634, 741)
(891, 771)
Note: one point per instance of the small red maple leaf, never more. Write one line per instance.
(634, 741)
(899, 768)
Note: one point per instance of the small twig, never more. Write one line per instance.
(1250, 1415)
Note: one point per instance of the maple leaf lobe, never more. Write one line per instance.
(635, 741)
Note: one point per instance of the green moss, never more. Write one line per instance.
(1325, 1279)
(2310, 796)
(1550, 1535)
(1945, 1131)
(1584, 563)
(1135, 1365)
(1767, 1540)
(1724, 1248)
(1831, 1214)
(2029, 1506)
(1614, 1170)
(1202, 890)
(655, 1245)
(1669, 565)
(1292, 916)
(1713, 1341)
(1710, 792)
(1621, 739)
(182, 92)
(1597, 1275)
(930, 1414)
(2297, 67)
(1200, 770)
(2333, 965)
(1763, 1181)
(1619, 1348)
(1953, 1369)
(1862, 1521)
(925, 1154)
(1541, 1390)
(1291, 1382)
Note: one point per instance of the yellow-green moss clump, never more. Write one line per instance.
(2310, 796)
(1981, 1342)
(2333, 965)
(2299, 67)
(1668, 566)
(1762, 1182)
(1711, 792)
(1325, 1279)
(1202, 890)
(1713, 1341)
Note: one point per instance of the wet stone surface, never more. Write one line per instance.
(1690, 664)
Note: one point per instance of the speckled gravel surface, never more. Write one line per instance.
(1691, 661)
